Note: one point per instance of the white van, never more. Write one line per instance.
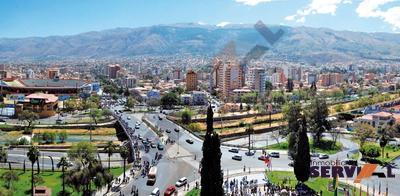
(155, 192)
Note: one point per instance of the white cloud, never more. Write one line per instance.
(252, 2)
(371, 9)
(317, 7)
(222, 24)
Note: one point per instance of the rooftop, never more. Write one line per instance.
(45, 83)
(48, 97)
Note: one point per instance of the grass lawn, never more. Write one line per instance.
(51, 179)
(392, 151)
(193, 192)
(288, 179)
(325, 147)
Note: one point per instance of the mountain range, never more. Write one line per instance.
(303, 44)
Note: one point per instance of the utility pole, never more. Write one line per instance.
(177, 153)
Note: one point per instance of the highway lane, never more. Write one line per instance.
(170, 169)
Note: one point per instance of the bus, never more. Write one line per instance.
(151, 176)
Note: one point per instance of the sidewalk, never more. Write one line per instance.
(103, 191)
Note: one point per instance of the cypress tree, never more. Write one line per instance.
(211, 173)
(302, 159)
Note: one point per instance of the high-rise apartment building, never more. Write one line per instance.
(330, 79)
(227, 76)
(256, 79)
(191, 80)
(112, 70)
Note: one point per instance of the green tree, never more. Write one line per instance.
(210, 170)
(370, 150)
(124, 152)
(87, 169)
(70, 105)
(186, 116)
(130, 102)
(33, 155)
(278, 97)
(291, 113)
(289, 85)
(110, 148)
(248, 98)
(362, 132)
(62, 136)
(302, 158)
(179, 90)
(317, 117)
(63, 164)
(29, 117)
(82, 152)
(106, 113)
(169, 100)
(9, 177)
(268, 87)
(3, 154)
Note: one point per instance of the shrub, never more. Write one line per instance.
(370, 150)
(195, 127)
(23, 141)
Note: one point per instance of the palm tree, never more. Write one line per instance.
(33, 155)
(124, 152)
(249, 130)
(110, 148)
(9, 177)
(63, 164)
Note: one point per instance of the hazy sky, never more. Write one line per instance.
(22, 18)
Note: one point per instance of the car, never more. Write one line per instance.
(58, 121)
(160, 146)
(140, 137)
(314, 154)
(176, 130)
(168, 131)
(137, 126)
(170, 190)
(234, 150)
(323, 156)
(181, 182)
(351, 162)
(159, 118)
(155, 192)
(128, 118)
(237, 157)
(274, 154)
(145, 142)
(249, 153)
(190, 141)
(291, 164)
(152, 145)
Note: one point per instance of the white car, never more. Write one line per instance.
(181, 182)
(128, 118)
(155, 192)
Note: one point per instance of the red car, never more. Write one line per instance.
(170, 190)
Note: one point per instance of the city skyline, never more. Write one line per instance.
(46, 18)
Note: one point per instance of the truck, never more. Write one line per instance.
(151, 176)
